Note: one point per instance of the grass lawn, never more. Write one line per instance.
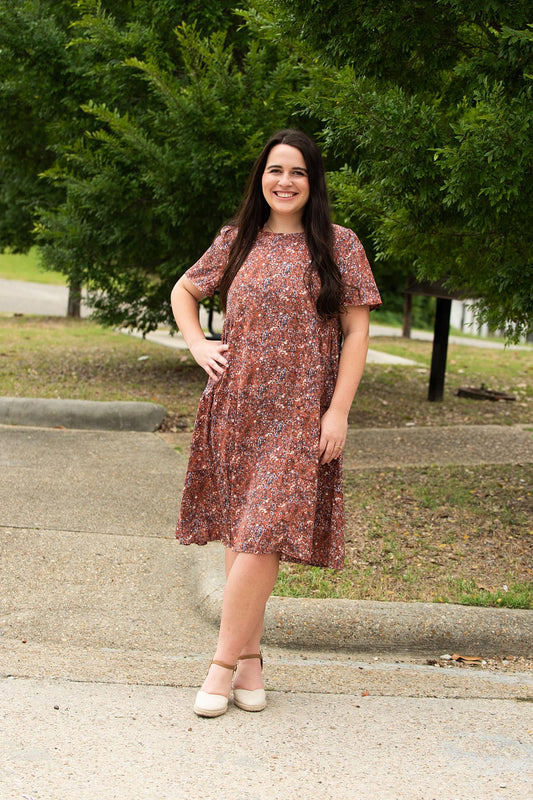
(26, 267)
(438, 534)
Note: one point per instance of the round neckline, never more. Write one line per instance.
(273, 233)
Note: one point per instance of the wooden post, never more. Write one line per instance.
(440, 349)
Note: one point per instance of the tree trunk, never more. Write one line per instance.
(74, 300)
(407, 315)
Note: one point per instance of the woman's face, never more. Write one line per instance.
(285, 181)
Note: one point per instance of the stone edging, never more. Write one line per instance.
(371, 626)
(81, 414)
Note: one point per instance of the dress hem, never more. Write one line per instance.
(285, 557)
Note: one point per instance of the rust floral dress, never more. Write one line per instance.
(254, 480)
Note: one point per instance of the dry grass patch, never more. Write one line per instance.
(445, 534)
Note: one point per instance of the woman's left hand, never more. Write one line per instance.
(333, 430)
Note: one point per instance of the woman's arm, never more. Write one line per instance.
(334, 423)
(206, 352)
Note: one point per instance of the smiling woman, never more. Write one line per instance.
(286, 189)
(265, 471)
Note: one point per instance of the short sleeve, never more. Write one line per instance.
(360, 286)
(207, 271)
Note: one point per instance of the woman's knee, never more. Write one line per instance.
(257, 563)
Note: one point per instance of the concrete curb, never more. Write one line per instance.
(363, 626)
(81, 414)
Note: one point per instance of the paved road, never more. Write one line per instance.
(22, 297)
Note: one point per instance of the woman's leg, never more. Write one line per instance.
(253, 645)
(249, 674)
(249, 583)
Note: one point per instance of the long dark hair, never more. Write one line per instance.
(254, 211)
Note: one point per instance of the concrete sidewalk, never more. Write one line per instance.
(103, 644)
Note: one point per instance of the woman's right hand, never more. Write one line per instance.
(209, 354)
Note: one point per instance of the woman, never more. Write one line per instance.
(265, 473)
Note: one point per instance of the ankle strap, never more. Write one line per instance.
(253, 655)
(232, 667)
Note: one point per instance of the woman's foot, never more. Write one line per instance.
(218, 679)
(249, 673)
(248, 689)
(212, 699)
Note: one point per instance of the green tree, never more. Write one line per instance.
(33, 70)
(125, 144)
(42, 85)
(149, 185)
(426, 104)
(45, 79)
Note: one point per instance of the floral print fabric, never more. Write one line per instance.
(254, 481)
